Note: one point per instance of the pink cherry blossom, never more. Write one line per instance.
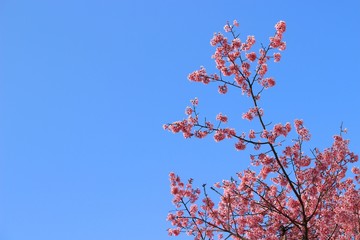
(252, 134)
(218, 38)
(282, 46)
(236, 44)
(219, 135)
(209, 125)
(356, 171)
(240, 145)
(289, 191)
(253, 112)
(267, 82)
(275, 42)
(249, 116)
(235, 23)
(188, 111)
(200, 134)
(277, 57)
(250, 41)
(223, 89)
(194, 102)
(280, 27)
(251, 56)
(222, 118)
(227, 28)
(263, 69)
(301, 130)
(199, 76)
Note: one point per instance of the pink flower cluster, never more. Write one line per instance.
(263, 68)
(252, 208)
(277, 131)
(240, 145)
(253, 112)
(188, 110)
(226, 56)
(356, 171)
(180, 190)
(292, 193)
(221, 118)
(184, 126)
(301, 130)
(267, 82)
(199, 76)
(221, 134)
(276, 41)
(251, 56)
(250, 41)
(277, 57)
(194, 101)
(229, 28)
(223, 89)
(187, 125)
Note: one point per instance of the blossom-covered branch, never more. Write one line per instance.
(288, 193)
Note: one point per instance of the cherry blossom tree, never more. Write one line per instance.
(288, 193)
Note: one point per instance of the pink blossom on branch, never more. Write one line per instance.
(280, 27)
(251, 56)
(356, 171)
(252, 134)
(235, 23)
(240, 145)
(250, 41)
(199, 76)
(301, 130)
(291, 194)
(188, 110)
(194, 101)
(221, 118)
(277, 57)
(267, 82)
(223, 89)
(227, 28)
(219, 135)
(253, 112)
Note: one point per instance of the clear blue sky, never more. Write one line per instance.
(85, 87)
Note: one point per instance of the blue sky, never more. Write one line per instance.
(85, 87)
